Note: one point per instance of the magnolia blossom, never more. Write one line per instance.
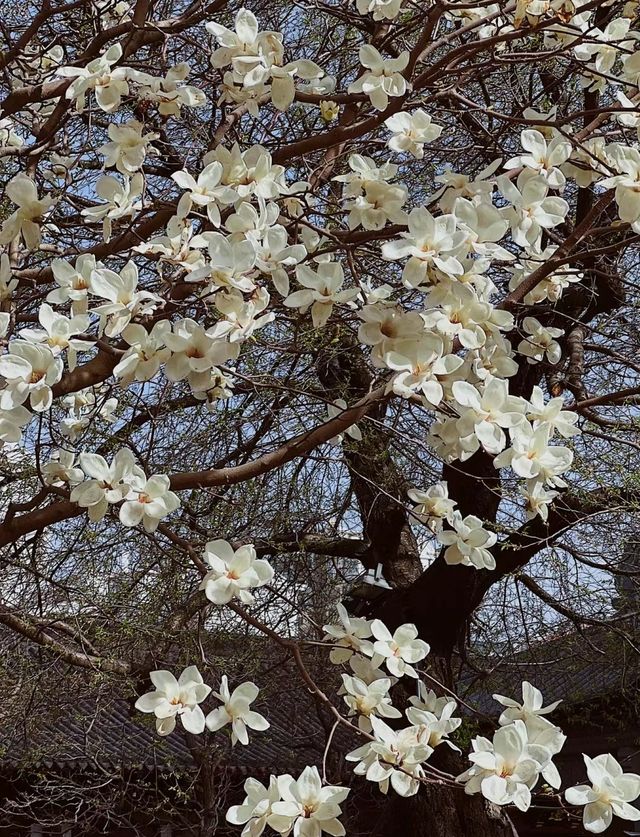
(625, 160)
(505, 769)
(321, 291)
(128, 146)
(542, 158)
(107, 483)
(308, 807)
(348, 638)
(531, 457)
(435, 729)
(551, 413)
(394, 757)
(235, 711)
(411, 131)
(552, 286)
(233, 572)
(531, 210)
(431, 244)
(146, 353)
(530, 708)
(124, 300)
(30, 371)
(168, 92)
(176, 698)
(12, 420)
(256, 809)
(380, 9)
(400, 649)
(383, 77)
(74, 282)
(25, 220)
(58, 332)
(537, 499)
(206, 191)
(240, 317)
(433, 505)
(231, 266)
(485, 413)
(540, 342)
(421, 365)
(468, 543)
(148, 502)
(333, 411)
(120, 201)
(108, 84)
(367, 699)
(193, 351)
(59, 469)
(610, 793)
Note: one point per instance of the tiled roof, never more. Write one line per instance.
(577, 668)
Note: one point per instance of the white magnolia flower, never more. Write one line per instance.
(435, 729)
(411, 131)
(383, 76)
(348, 638)
(321, 291)
(148, 501)
(537, 499)
(380, 9)
(433, 505)
(274, 254)
(120, 201)
(394, 757)
(530, 708)
(367, 699)
(610, 793)
(146, 353)
(379, 203)
(233, 572)
(8, 282)
(240, 317)
(193, 351)
(540, 342)
(308, 807)
(421, 365)
(59, 470)
(468, 543)
(626, 160)
(206, 191)
(25, 221)
(531, 457)
(432, 244)
(178, 247)
(333, 411)
(428, 701)
(531, 211)
(506, 769)
(256, 808)
(8, 137)
(235, 711)
(74, 282)
(168, 92)
(400, 649)
(30, 371)
(128, 146)
(124, 300)
(58, 332)
(544, 159)
(12, 421)
(107, 483)
(108, 84)
(485, 413)
(176, 698)
(231, 266)
(552, 414)
(552, 286)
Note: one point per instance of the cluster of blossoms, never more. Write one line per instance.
(243, 246)
(181, 699)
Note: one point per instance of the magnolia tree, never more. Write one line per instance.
(296, 291)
